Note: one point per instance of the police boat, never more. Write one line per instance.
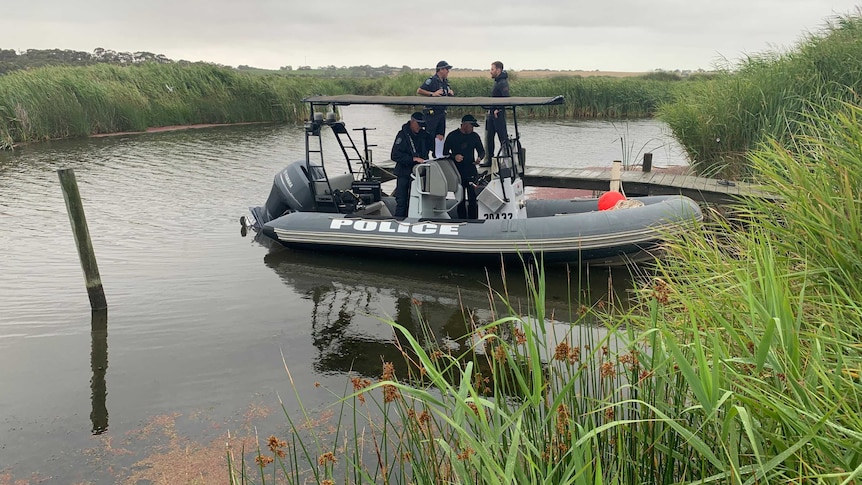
(320, 205)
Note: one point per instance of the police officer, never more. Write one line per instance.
(435, 116)
(412, 145)
(461, 146)
(496, 121)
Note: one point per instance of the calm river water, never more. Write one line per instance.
(200, 316)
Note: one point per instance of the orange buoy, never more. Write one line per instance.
(610, 199)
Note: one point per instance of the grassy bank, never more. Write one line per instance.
(765, 97)
(63, 102)
(586, 97)
(739, 363)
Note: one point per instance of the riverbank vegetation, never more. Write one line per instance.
(739, 362)
(61, 102)
(765, 97)
(586, 97)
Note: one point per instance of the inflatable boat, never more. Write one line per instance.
(317, 207)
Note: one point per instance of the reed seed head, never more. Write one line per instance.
(326, 458)
(263, 460)
(562, 351)
(608, 370)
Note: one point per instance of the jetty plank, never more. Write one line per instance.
(702, 189)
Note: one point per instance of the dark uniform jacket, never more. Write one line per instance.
(497, 125)
(501, 85)
(459, 143)
(408, 145)
(432, 84)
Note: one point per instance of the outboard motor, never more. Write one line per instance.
(290, 193)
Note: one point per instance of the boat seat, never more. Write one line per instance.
(337, 182)
(453, 177)
(432, 183)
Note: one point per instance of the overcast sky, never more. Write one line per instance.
(608, 35)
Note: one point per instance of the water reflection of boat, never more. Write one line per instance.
(318, 205)
(352, 296)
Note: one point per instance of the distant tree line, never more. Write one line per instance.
(332, 71)
(12, 60)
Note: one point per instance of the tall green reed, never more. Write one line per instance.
(768, 298)
(765, 96)
(61, 102)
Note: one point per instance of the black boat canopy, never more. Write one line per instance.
(348, 99)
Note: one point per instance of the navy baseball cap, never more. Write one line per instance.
(470, 119)
(443, 65)
(418, 117)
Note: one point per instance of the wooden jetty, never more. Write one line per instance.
(715, 191)
(634, 182)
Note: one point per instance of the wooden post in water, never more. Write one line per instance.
(647, 166)
(99, 366)
(82, 238)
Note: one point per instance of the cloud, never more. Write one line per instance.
(625, 35)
